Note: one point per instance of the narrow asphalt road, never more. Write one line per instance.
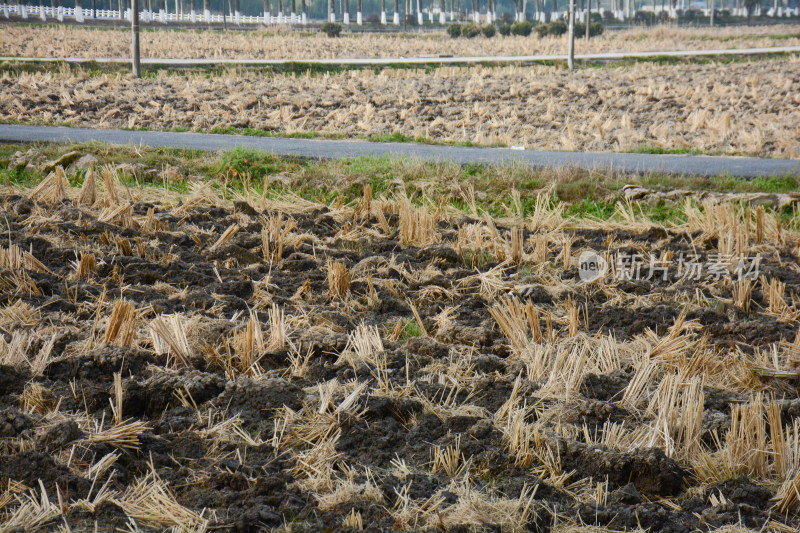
(418, 60)
(745, 167)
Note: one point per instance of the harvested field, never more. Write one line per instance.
(73, 41)
(228, 357)
(750, 108)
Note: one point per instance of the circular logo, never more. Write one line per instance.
(591, 266)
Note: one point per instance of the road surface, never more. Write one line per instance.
(416, 60)
(745, 167)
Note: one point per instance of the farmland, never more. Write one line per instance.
(749, 108)
(197, 341)
(71, 41)
(238, 340)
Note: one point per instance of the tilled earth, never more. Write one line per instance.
(750, 108)
(358, 376)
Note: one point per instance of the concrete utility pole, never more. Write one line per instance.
(588, 18)
(137, 67)
(571, 57)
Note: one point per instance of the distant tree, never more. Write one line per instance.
(331, 29)
(557, 27)
(470, 30)
(750, 5)
(522, 29)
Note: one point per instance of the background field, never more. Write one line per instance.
(72, 41)
(750, 108)
(735, 107)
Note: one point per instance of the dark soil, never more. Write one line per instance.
(245, 484)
